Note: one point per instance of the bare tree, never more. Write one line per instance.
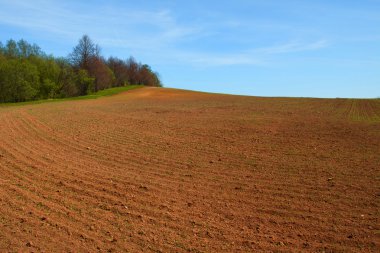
(83, 52)
(133, 70)
(104, 77)
(120, 69)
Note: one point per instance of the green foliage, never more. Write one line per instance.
(11, 49)
(27, 73)
(19, 81)
(84, 82)
(2, 50)
(49, 72)
(67, 84)
(47, 89)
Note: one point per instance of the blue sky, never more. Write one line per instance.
(312, 48)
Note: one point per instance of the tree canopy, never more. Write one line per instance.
(27, 73)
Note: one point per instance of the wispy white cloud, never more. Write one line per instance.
(256, 56)
(225, 60)
(294, 47)
(110, 22)
(151, 32)
(208, 59)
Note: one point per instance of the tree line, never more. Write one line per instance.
(27, 73)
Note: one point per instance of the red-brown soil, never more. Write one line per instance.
(162, 170)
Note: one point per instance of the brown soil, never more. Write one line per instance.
(163, 170)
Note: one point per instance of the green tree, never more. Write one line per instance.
(19, 81)
(85, 84)
(49, 72)
(2, 49)
(11, 49)
(24, 48)
(67, 79)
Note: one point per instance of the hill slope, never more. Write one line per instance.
(165, 170)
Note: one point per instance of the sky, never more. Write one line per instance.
(296, 48)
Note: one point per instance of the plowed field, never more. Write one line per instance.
(164, 170)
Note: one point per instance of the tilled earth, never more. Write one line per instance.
(164, 170)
